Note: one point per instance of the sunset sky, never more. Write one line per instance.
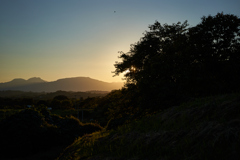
(55, 39)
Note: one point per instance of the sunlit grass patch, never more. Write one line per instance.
(85, 146)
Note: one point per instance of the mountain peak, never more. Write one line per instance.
(17, 79)
(35, 80)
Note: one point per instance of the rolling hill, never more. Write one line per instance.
(67, 84)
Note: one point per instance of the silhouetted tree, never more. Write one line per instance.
(61, 102)
(175, 60)
(155, 62)
(43, 102)
(61, 97)
(215, 48)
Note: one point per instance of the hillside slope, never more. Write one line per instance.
(205, 128)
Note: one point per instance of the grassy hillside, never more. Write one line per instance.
(204, 128)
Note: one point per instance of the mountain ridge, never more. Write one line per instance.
(36, 84)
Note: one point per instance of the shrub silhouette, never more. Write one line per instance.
(70, 128)
(20, 132)
(29, 131)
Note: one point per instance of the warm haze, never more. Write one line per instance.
(58, 39)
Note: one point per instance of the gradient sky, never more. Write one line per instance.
(55, 39)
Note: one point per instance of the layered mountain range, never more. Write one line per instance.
(75, 84)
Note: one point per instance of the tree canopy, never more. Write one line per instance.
(174, 60)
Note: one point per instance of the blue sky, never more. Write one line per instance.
(55, 39)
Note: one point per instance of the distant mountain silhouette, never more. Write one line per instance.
(21, 82)
(67, 84)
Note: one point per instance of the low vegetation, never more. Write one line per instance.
(31, 131)
(203, 128)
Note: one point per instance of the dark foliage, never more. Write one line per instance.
(115, 109)
(31, 131)
(174, 62)
(22, 133)
(203, 128)
(56, 100)
(61, 97)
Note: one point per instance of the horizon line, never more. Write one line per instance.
(62, 78)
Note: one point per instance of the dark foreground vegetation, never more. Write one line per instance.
(180, 101)
(32, 131)
(203, 128)
(64, 100)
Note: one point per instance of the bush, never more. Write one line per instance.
(20, 132)
(30, 131)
